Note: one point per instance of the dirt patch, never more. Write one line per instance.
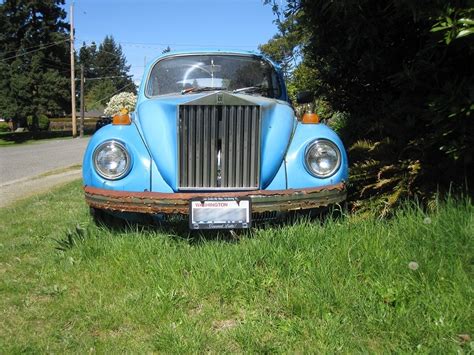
(223, 325)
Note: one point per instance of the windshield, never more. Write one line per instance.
(195, 73)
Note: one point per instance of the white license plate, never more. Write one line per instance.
(220, 213)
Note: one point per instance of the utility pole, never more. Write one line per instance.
(81, 123)
(73, 78)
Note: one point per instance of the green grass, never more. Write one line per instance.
(342, 285)
(58, 171)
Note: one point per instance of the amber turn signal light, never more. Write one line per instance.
(310, 118)
(123, 118)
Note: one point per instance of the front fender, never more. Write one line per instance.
(139, 177)
(297, 175)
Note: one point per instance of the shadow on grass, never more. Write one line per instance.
(177, 227)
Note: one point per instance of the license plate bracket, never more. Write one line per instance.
(220, 213)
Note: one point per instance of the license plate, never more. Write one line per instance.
(220, 213)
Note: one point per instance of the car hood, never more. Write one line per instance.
(158, 121)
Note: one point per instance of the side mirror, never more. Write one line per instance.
(304, 97)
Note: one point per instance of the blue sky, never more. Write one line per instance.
(145, 27)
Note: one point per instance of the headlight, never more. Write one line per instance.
(111, 160)
(322, 158)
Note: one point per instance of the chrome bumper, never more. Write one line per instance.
(171, 203)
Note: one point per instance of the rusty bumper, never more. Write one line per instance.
(170, 203)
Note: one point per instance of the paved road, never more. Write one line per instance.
(24, 161)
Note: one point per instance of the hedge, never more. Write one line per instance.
(19, 137)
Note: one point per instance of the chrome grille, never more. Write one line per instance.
(219, 147)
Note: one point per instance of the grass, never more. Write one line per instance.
(341, 285)
(58, 171)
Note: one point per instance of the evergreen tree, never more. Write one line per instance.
(87, 57)
(33, 59)
(108, 69)
(99, 93)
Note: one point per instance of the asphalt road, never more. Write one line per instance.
(27, 161)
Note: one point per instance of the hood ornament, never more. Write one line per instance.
(219, 98)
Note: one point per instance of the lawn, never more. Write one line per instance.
(355, 284)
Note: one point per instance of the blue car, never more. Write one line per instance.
(214, 138)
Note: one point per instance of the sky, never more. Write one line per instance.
(145, 27)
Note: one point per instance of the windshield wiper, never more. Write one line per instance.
(253, 89)
(201, 89)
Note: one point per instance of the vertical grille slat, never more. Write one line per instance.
(206, 130)
(190, 156)
(231, 146)
(183, 137)
(198, 141)
(253, 147)
(246, 148)
(238, 147)
(213, 148)
(205, 147)
(224, 150)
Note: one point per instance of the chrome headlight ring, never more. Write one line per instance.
(322, 158)
(111, 160)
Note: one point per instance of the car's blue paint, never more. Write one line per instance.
(277, 127)
(279, 180)
(138, 179)
(158, 184)
(152, 143)
(158, 121)
(298, 176)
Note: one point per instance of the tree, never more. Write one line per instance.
(98, 94)
(87, 58)
(33, 54)
(284, 48)
(403, 72)
(107, 70)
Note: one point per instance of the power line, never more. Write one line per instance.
(109, 96)
(35, 50)
(107, 67)
(38, 45)
(106, 77)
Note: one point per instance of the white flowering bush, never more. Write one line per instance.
(120, 101)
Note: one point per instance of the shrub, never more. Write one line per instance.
(4, 127)
(40, 122)
(30, 121)
(43, 122)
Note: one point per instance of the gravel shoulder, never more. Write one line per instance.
(24, 188)
(31, 169)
